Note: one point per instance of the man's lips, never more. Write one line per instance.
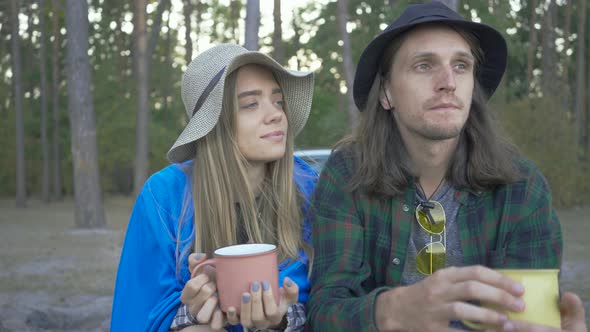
(443, 106)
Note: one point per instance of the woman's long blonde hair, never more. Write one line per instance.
(226, 210)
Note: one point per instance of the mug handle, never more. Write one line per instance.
(210, 261)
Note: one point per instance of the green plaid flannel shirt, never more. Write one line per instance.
(360, 241)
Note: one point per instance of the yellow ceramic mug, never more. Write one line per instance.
(541, 297)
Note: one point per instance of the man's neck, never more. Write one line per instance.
(431, 160)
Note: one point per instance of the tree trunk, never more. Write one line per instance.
(155, 33)
(44, 93)
(144, 51)
(532, 49)
(29, 56)
(188, 10)
(347, 66)
(57, 176)
(296, 43)
(548, 58)
(167, 88)
(235, 17)
(252, 24)
(21, 185)
(580, 71)
(584, 132)
(277, 37)
(453, 4)
(566, 43)
(199, 11)
(87, 192)
(141, 77)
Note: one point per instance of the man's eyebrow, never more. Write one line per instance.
(426, 55)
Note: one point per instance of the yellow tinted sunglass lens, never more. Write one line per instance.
(431, 258)
(433, 219)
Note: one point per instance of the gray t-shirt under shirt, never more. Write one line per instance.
(445, 195)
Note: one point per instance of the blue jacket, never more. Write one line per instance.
(148, 288)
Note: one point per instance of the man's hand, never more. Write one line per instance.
(572, 318)
(432, 303)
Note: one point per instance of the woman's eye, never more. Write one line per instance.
(280, 103)
(249, 105)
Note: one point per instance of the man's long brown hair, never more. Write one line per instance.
(484, 158)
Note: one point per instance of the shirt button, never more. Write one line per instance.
(406, 208)
(396, 261)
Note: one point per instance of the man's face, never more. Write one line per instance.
(430, 84)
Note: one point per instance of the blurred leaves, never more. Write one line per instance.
(541, 126)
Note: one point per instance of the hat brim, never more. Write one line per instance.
(489, 71)
(297, 88)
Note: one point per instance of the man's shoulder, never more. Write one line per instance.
(531, 183)
(342, 159)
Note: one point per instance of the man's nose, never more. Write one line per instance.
(446, 80)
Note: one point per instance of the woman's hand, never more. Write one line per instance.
(259, 308)
(199, 294)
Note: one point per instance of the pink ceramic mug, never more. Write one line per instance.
(238, 266)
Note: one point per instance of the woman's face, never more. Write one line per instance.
(261, 121)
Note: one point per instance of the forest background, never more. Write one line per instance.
(90, 103)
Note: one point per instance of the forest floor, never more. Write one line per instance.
(54, 277)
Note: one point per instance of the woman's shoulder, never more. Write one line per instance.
(171, 177)
(167, 188)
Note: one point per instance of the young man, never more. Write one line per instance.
(414, 211)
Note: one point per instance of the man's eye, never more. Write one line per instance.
(462, 66)
(423, 67)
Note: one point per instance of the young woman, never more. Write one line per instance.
(233, 180)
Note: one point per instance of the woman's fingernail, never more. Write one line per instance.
(199, 256)
(255, 286)
(265, 285)
(508, 326)
(245, 298)
(289, 283)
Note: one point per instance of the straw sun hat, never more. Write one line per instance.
(203, 86)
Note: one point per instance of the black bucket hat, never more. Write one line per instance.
(493, 45)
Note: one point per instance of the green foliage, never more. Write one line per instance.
(540, 127)
(327, 123)
(544, 132)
